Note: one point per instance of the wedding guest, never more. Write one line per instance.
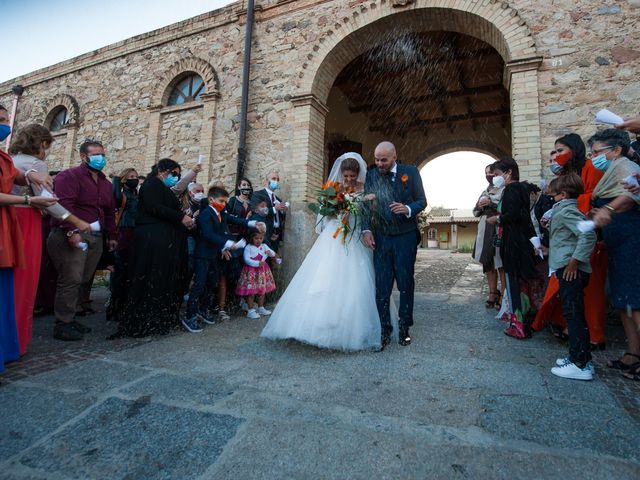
(85, 191)
(256, 279)
(484, 251)
(617, 213)
(29, 149)
(157, 265)
(214, 247)
(276, 217)
(12, 253)
(125, 193)
(515, 229)
(569, 254)
(570, 155)
(46, 293)
(239, 207)
(195, 197)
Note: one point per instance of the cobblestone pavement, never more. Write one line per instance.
(463, 401)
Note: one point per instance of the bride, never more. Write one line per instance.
(330, 302)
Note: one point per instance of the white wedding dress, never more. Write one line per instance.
(330, 303)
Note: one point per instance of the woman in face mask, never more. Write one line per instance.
(125, 192)
(484, 251)
(29, 148)
(617, 213)
(569, 156)
(514, 226)
(238, 206)
(157, 270)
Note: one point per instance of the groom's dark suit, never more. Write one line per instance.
(396, 237)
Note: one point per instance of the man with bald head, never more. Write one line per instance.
(391, 231)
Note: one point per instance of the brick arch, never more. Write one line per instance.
(460, 146)
(62, 100)
(181, 68)
(492, 21)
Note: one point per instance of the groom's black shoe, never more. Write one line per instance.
(405, 338)
(385, 339)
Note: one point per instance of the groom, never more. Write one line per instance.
(391, 231)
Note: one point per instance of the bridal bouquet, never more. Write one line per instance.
(336, 200)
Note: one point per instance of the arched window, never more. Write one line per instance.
(59, 118)
(187, 89)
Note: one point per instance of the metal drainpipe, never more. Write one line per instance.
(246, 68)
(17, 90)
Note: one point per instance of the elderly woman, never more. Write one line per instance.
(569, 156)
(617, 212)
(157, 263)
(12, 255)
(29, 149)
(484, 251)
(514, 231)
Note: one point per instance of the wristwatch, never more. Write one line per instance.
(27, 200)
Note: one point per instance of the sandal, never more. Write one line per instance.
(492, 303)
(620, 365)
(633, 374)
(559, 334)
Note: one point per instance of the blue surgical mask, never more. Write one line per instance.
(5, 131)
(556, 168)
(274, 185)
(170, 181)
(601, 162)
(97, 162)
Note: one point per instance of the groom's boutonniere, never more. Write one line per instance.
(404, 178)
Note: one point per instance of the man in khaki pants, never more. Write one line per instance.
(85, 192)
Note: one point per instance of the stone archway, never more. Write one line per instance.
(357, 29)
(206, 118)
(64, 145)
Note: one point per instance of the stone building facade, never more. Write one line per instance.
(502, 77)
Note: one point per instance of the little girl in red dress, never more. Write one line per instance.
(256, 278)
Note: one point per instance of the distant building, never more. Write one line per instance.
(450, 229)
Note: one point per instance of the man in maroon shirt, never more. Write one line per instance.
(85, 192)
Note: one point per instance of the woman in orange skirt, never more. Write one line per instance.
(29, 149)
(570, 156)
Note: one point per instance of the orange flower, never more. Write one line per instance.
(404, 178)
(337, 232)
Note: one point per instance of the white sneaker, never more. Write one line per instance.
(570, 370)
(562, 361)
(223, 316)
(263, 311)
(243, 305)
(253, 314)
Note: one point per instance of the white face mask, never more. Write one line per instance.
(198, 196)
(498, 181)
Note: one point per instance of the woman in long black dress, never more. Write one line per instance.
(158, 260)
(518, 256)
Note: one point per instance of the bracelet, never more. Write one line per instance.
(610, 208)
(71, 233)
(26, 175)
(27, 200)
(65, 216)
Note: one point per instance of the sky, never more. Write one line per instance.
(455, 180)
(39, 33)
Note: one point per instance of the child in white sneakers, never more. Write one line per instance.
(569, 254)
(256, 278)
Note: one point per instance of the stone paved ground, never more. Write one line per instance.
(463, 401)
